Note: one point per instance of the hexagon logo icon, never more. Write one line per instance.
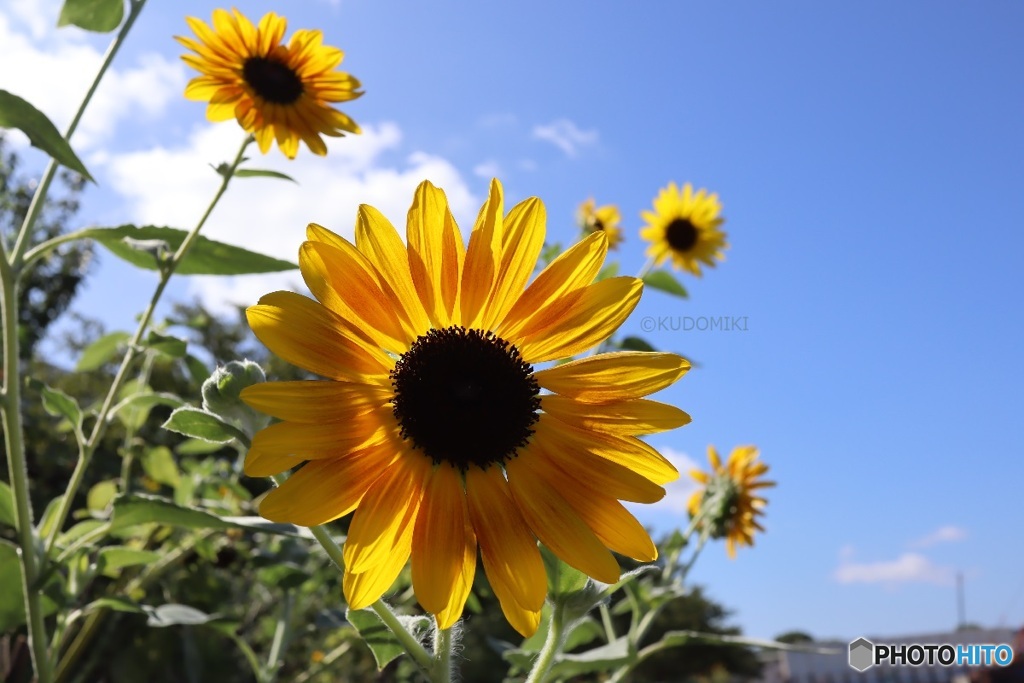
(862, 654)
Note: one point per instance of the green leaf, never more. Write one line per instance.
(607, 657)
(18, 113)
(100, 497)
(79, 530)
(381, 641)
(284, 576)
(563, 580)
(49, 518)
(200, 424)
(666, 282)
(206, 256)
(197, 447)
(114, 557)
(115, 604)
(101, 16)
(635, 344)
(159, 465)
(175, 615)
(12, 610)
(134, 410)
(135, 509)
(259, 173)
(172, 347)
(56, 402)
(6, 505)
(611, 270)
(197, 369)
(101, 351)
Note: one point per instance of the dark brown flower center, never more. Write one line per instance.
(465, 397)
(598, 224)
(681, 234)
(273, 81)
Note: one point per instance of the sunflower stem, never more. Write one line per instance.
(442, 654)
(100, 427)
(646, 269)
(552, 645)
(280, 640)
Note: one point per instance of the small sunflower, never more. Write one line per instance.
(605, 218)
(727, 499)
(684, 226)
(435, 428)
(276, 91)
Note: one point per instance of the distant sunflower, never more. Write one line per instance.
(728, 497)
(433, 427)
(604, 219)
(276, 91)
(684, 226)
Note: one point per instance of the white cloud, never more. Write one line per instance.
(52, 68)
(171, 187)
(678, 493)
(488, 169)
(565, 135)
(944, 534)
(907, 568)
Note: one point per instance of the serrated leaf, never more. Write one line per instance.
(378, 637)
(167, 345)
(635, 344)
(114, 557)
(206, 256)
(56, 402)
(159, 465)
(175, 615)
(16, 112)
(260, 173)
(134, 410)
(666, 282)
(200, 424)
(101, 351)
(101, 16)
(135, 509)
(6, 505)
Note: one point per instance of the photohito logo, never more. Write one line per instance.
(864, 654)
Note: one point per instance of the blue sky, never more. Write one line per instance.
(869, 158)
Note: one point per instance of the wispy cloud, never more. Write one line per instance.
(907, 568)
(944, 534)
(488, 169)
(565, 135)
(678, 493)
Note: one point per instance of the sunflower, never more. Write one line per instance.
(684, 226)
(435, 428)
(275, 91)
(727, 500)
(605, 218)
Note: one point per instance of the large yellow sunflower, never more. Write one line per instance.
(275, 91)
(606, 218)
(728, 500)
(684, 226)
(435, 427)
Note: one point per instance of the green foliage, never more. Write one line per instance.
(666, 282)
(18, 113)
(101, 351)
(258, 173)
(101, 16)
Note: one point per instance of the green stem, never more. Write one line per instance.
(100, 428)
(406, 639)
(606, 621)
(128, 458)
(673, 561)
(442, 654)
(280, 639)
(646, 269)
(39, 198)
(552, 645)
(17, 471)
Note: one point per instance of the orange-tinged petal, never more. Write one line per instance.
(628, 418)
(482, 258)
(507, 546)
(440, 540)
(557, 524)
(325, 440)
(436, 254)
(387, 511)
(365, 588)
(313, 401)
(614, 376)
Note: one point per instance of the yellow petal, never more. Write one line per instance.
(507, 546)
(365, 588)
(482, 257)
(523, 620)
(547, 298)
(310, 401)
(304, 333)
(597, 313)
(611, 522)
(325, 490)
(522, 242)
(436, 253)
(556, 523)
(327, 439)
(386, 512)
(628, 418)
(614, 376)
(345, 282)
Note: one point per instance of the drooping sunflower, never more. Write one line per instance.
(728, 500)
(276, 91)
(684, 226)
(435, 428)
(606, 218)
